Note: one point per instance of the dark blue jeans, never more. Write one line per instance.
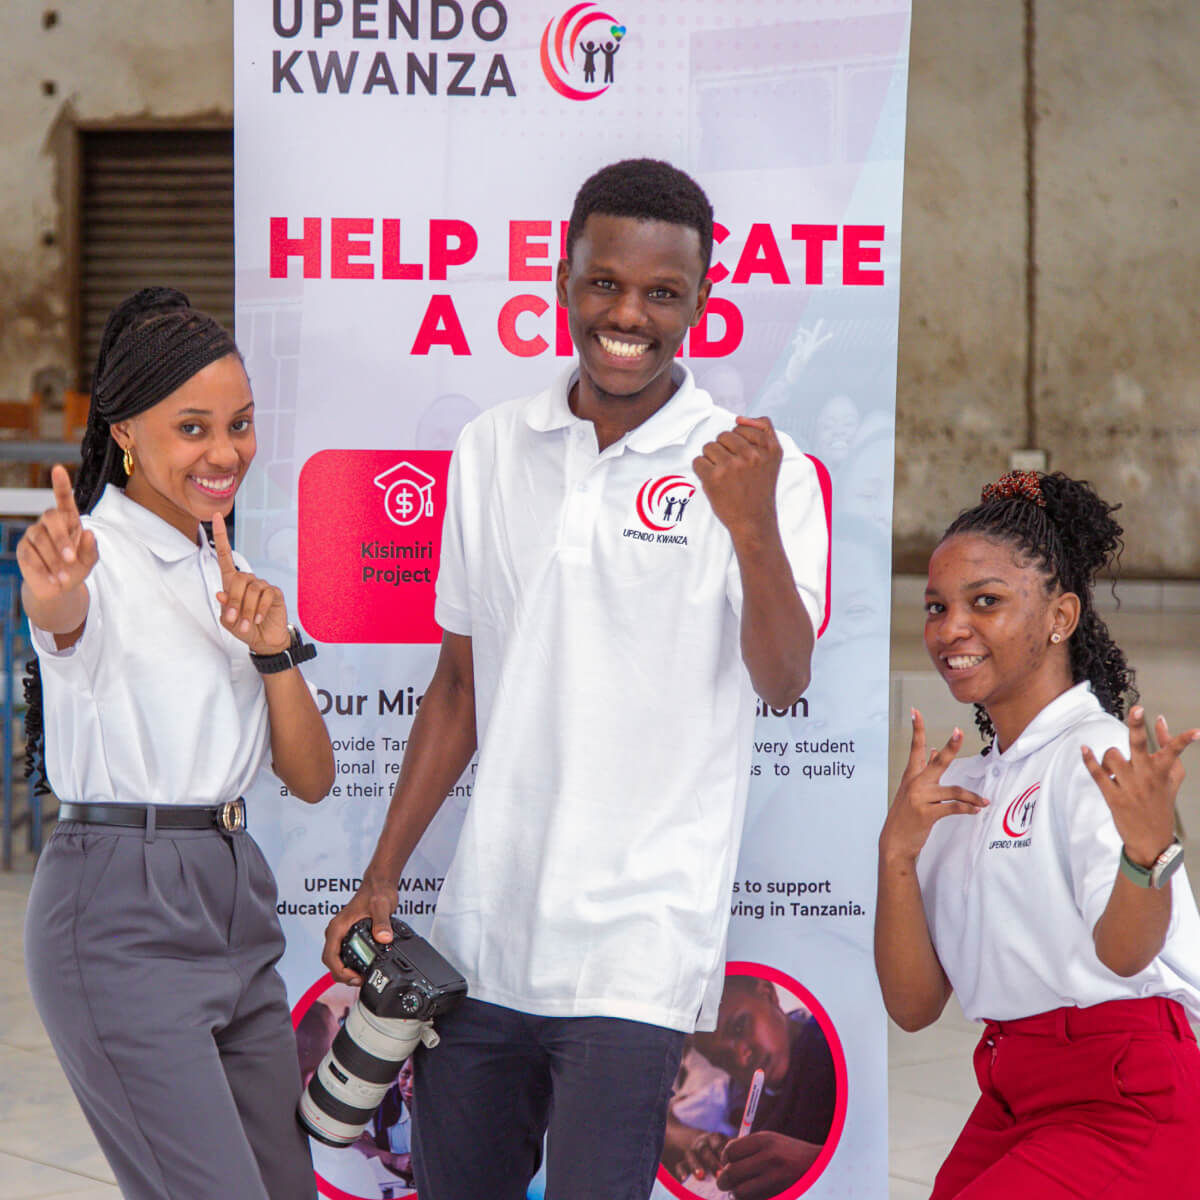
(485, 1097)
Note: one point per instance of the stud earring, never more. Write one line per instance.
(1056, 638)
(127, 461)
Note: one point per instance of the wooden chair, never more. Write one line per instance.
(75, 414)
(22, 420)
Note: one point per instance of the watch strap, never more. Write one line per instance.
(299, 651)
(1159, 872)
(1133, 872)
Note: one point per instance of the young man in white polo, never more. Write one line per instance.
(624, 566)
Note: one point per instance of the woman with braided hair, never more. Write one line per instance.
(170, 676)
(1040, 879)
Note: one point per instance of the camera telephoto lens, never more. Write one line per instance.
(406, 983)
(348, 1086)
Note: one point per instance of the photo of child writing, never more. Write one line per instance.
(755, 1107)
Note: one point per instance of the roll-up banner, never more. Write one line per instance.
(404, 171)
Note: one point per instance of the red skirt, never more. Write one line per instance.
(1099, 1103)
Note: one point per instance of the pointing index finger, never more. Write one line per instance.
(224, 550)
(64, 495)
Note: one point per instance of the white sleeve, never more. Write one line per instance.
(452, 604)
(1093, 845)
(76, 662)
(804, 528)
(76, 665)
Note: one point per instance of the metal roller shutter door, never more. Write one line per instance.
(156, 208)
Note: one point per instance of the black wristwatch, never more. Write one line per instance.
(299, 651)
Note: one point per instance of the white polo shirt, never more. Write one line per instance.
(614, 713)
(156, 703)
(1012, 895)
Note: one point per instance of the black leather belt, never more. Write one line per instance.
(229, 817)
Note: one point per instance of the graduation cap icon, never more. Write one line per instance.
(408, 493)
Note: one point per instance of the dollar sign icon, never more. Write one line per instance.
(408, 493)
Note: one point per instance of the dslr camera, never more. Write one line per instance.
(406, 983)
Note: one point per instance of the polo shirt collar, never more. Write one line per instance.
(669, 426)
(160, 537)
(1074, 705)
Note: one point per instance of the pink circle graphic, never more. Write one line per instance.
(559, 39)
(825, 1023)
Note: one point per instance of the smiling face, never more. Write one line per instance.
(989, 623)
(752, 1031)
(192, 449)
(632, 289)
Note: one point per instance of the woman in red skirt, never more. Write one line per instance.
(1042, 880)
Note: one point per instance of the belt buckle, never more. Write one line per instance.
(231, 816)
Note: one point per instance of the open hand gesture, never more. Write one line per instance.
(56, 554)
(921, 799)
(738, 472)
(1140, 790)
(251, 609)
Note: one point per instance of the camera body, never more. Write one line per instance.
(405, 979)
(406, 983)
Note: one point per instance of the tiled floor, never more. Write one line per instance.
(46, 1149)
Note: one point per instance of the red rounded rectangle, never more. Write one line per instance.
(370, 541)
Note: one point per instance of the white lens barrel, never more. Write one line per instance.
(340, 1087)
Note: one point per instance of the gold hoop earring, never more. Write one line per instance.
(127, 461)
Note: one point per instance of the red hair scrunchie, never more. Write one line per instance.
(1016, 485)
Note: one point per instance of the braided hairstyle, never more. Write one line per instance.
(1067, 532)
(153, 343)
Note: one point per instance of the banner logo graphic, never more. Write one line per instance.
(1018, 817)
(661, 502)
(579, 52)
(408, 493)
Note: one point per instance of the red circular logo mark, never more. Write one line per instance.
(663, 499)
(1018, 816)
(561, 38)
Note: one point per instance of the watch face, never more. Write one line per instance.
(1167, 863)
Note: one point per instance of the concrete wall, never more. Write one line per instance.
(1117, 381)
(84, 62)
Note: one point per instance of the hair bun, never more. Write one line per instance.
(130, 312)
(1083, 520)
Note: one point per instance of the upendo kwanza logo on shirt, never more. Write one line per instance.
(660, 506)
(1018, 820)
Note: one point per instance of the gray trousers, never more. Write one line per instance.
(151, 957)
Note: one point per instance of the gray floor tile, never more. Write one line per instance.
(951, 1078)
(28, 1180)
(904, 1189)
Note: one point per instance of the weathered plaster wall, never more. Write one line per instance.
(1117, 380)
(962, 324)
(90, 62)
(1119, 260)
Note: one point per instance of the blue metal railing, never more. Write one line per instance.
(14, 642)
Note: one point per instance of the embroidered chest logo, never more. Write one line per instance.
(1018, 820)
(660, 505)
